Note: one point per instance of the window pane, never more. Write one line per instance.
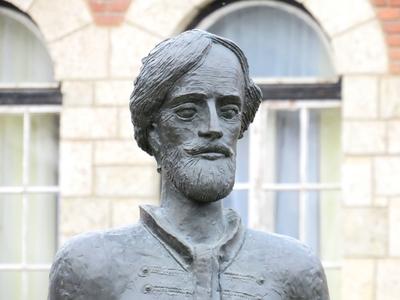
(287, 213)
(238, 201)
(287, 146)
(38, 283)
(330, 146)
(330, 235)
(11, 128)
(10, 229)
(333, 277)
(10, 285)
(41, 224)
(44, 149)
(282, 140)
(23, 58)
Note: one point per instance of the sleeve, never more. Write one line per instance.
(65, 279)
(310, 281)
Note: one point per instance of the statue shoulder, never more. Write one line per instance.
(82, 266)
(300, 268)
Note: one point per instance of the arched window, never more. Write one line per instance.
(289, 162)
(29, 122)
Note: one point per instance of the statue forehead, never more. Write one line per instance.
(219, 72)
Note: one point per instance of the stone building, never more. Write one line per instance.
(321, 161)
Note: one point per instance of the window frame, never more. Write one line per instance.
(27, 100)
(294, 94)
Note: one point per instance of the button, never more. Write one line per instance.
(261, 280)
(144, 271)
(147, 289)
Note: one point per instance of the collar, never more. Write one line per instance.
(184, 253)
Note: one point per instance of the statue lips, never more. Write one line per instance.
(210, 152)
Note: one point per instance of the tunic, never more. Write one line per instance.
(147, 261)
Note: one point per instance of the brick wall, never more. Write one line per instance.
(388, 11)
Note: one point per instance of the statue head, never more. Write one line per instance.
(192, 101)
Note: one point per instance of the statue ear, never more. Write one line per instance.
(154, 140)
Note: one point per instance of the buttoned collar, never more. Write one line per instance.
(225, 249)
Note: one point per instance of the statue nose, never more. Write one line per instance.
(211, 130)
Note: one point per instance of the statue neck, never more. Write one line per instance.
(198, 223)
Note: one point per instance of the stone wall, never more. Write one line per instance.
(104, 176)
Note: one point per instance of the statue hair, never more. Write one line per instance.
(166, 64)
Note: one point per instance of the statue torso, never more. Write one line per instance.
(146, 262)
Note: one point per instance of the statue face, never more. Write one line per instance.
(199, 125)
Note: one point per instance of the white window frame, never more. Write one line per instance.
(257, 184)
(25, 190)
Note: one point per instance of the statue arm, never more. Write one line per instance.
(64, 280)
(310, 281)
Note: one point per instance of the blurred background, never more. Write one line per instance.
(321, 162)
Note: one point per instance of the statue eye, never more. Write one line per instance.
(229, 111)
(186, 113)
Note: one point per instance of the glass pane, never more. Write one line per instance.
(11, 143)
(23, 57)
(44, 149)
(10, 229)
(287, 213)
(10, 285)
(282, 139)
(238, 201)
(334, 278)
(262, 210)
(312, 220)
(287, 146)
(330, 145)
(277, 41)
(38, 284)
(330, 224)
(42, 228)
(242, 159)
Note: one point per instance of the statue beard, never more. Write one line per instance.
(197, 178)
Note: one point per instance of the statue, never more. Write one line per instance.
(192, 101)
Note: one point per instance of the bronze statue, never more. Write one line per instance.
(192, 101)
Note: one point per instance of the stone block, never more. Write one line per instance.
(358, 279)
(340, 15)
(126, 211)
(88, 123)
(354, 54)
(387, 174)
(132, 181)
(388, 279)
(364, 137)
(394, 137)
(120, 152)
(77, 93)
(115, 92)
(57, 19)
(82, 55)
(80, 215)
(357, 181)
(365, 232)
(390, 97)
(75, 168)
(22, 4)
(381, 201)
(360, 97)
(394, 226)
(162, 17)
(125, 127)
(128, 46)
